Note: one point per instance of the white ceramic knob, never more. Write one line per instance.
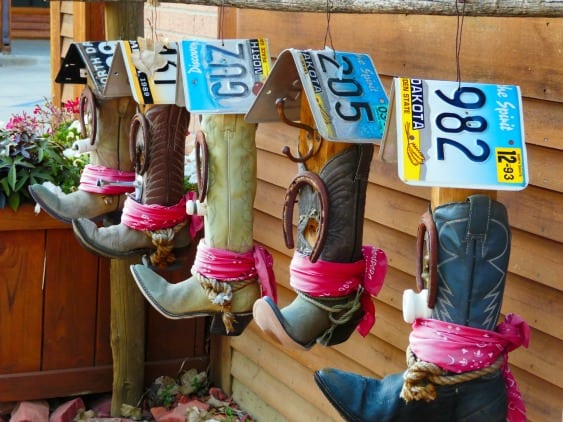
(415, 305)
(196, 208)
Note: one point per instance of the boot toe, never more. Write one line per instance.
(49, 202)
(358, 398)
(271, 321)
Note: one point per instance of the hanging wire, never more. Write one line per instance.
(458, 34)
(328, 34)
(152, 21)
(222, 22)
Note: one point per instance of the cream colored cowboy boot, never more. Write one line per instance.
(154, 218)
(100, 193)
(224, 283)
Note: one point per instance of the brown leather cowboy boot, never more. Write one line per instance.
(154, 217)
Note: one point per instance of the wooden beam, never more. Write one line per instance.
(522, 8)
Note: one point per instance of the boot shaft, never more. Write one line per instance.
(231, 186)
(345, 176)
(158, 140)
(113, 120)
(474, 249)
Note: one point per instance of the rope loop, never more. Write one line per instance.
(163, 240)
(421, 377)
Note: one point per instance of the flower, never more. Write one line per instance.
(32, 151)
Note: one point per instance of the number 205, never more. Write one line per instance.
(346, 87)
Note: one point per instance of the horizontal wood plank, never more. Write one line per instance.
(396, 45)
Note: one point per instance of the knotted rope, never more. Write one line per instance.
(163, 240)
(421, 377)
(221, 293)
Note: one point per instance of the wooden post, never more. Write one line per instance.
(124, 21)
(444, 195)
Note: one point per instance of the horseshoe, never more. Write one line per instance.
(313, 180)
(202, 164)
(139, 148)
(87, 109)
(311, 134)
(427, 226)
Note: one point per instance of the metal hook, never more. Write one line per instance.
(310, 134)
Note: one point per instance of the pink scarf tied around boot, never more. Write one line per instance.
(155, 217)
(335, 279)
(105, 180)
(228, 266)
(458, 348)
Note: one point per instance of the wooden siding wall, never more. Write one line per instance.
(277, 384)
(30, 23)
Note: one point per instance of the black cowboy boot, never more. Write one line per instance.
(332, 205)
(473, 239)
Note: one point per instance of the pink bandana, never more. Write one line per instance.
(458, 348)
(155, 217)
(225, 265)
(335, 279)
(104, 180)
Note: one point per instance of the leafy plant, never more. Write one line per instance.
(32, 151)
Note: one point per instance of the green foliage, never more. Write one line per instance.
(32, 152)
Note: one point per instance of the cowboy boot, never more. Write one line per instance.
(225, 282)
(473, 240)
(332, 205)
(154, 217)
(109, 176)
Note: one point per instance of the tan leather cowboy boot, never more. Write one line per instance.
(224, 281)
(106, 122)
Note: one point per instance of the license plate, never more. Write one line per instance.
(223, 76)
(161, 87)
(460, 135)
(345, 94)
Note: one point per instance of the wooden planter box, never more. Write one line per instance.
(55, 316)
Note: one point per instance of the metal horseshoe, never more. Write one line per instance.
(87, 110)
(310, 133)
(139, 147)
(313, 180)
(202, 165)
(427, 226)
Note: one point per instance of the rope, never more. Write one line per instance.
(340, 314)
(221, 293)
(163, 240)
(421, 377)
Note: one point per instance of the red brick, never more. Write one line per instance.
(102, 406)
(31, 411)
(67, 411)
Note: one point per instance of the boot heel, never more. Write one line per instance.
(341, 333)
(240, 323)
